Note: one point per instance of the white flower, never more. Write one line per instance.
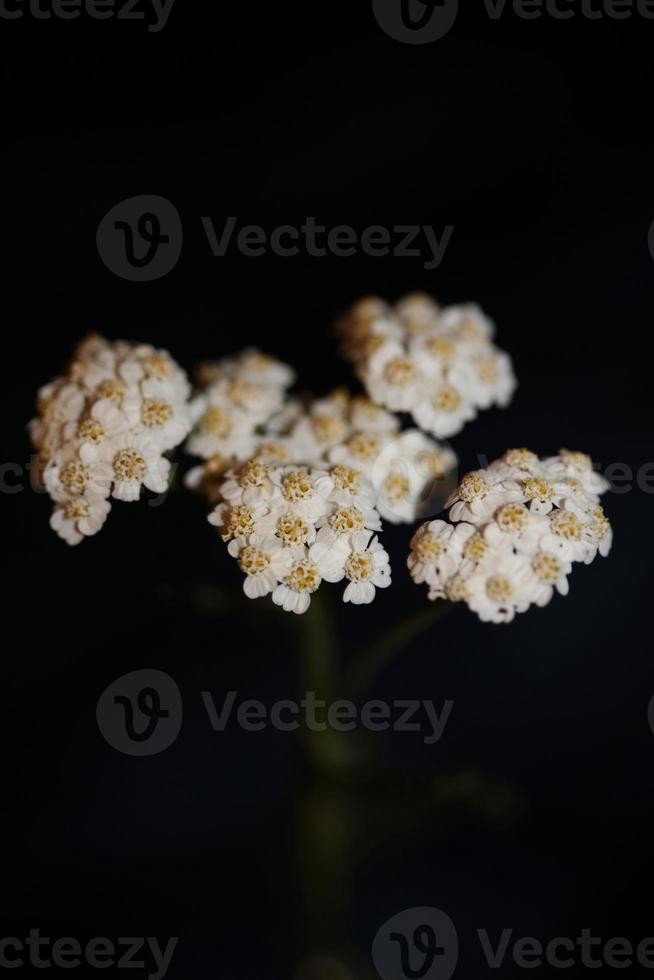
(304, 492)
(294, 593)
(360, 452)
(79, 516)
(104, 422)
(367, 568)
(394, 378)
(136, 462)
(407, 474)
(523, 522)
(445, 411)
(263, 560)
(439, 364)
(220, 430)
(250, 484)
(73, 471)
(478, 496)
(102, 427)
(365, 416)
(499, 589)
(346, 521)
(351, 488)
(437, 551)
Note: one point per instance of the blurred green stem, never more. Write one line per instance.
(328, 750)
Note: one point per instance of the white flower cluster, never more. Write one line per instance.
(290, 528)
(103, 428)
(243, 413)
(439, 365)
(519, 526)
(300, 486)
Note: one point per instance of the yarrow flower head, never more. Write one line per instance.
(306, 526)
(315, 475)
(102, 430)
(519, 526)
(438, 365)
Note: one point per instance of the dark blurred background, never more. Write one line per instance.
(534, 811)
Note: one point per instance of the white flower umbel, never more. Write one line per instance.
(103, 429)
(439, 365)
(519, 526)
(291, 528)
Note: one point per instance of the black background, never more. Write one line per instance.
(532, 138)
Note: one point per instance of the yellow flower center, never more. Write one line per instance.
(522, 459)
(328, 428)
(498, 589)
(297, 485)
(112, 390)
(548, 569)
(364, 447)
(129, 465)
(253, 560)
(538, 489)
(92, 430)
(457, 590)
(472, 486)
(512, 517)
(74, 476)
(242, 393)
(240, 523)
(303, 577)
(253, 474)
(158, 366)
(273, 452)
(155, 414)
(429, 547)
(475, 548)
(292, 531)
(579, 460)
(397, 487)
(488, 370)
(448, 399)
(566, 525)
(359, 566)
(76, 509)
(444, 350)
(346, 520)
(399, 371)
(216, 422)
(345, 478)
